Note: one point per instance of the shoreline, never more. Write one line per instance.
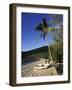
(28, 70)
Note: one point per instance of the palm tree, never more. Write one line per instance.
(44, 28)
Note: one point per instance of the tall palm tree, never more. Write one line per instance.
(44, 28)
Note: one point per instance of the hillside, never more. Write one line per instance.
(43, 52)
(39, 52)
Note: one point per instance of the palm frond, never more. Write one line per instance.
(44, 23)
(50, 29)
(38, 38)
(39, 27)
(44, 35)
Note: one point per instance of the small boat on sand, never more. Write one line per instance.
(41, 66)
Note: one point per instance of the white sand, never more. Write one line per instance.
(28, 70)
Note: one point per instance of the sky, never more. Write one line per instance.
(29, 36)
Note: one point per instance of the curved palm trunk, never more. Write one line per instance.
(50, 55)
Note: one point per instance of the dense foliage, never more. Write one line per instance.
(57, 52)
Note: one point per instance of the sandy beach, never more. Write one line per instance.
(28, 69)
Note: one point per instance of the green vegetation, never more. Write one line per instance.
(57, 52)
(39, 52)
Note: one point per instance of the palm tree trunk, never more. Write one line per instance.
(50, 55)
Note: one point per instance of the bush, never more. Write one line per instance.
(57, 52)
